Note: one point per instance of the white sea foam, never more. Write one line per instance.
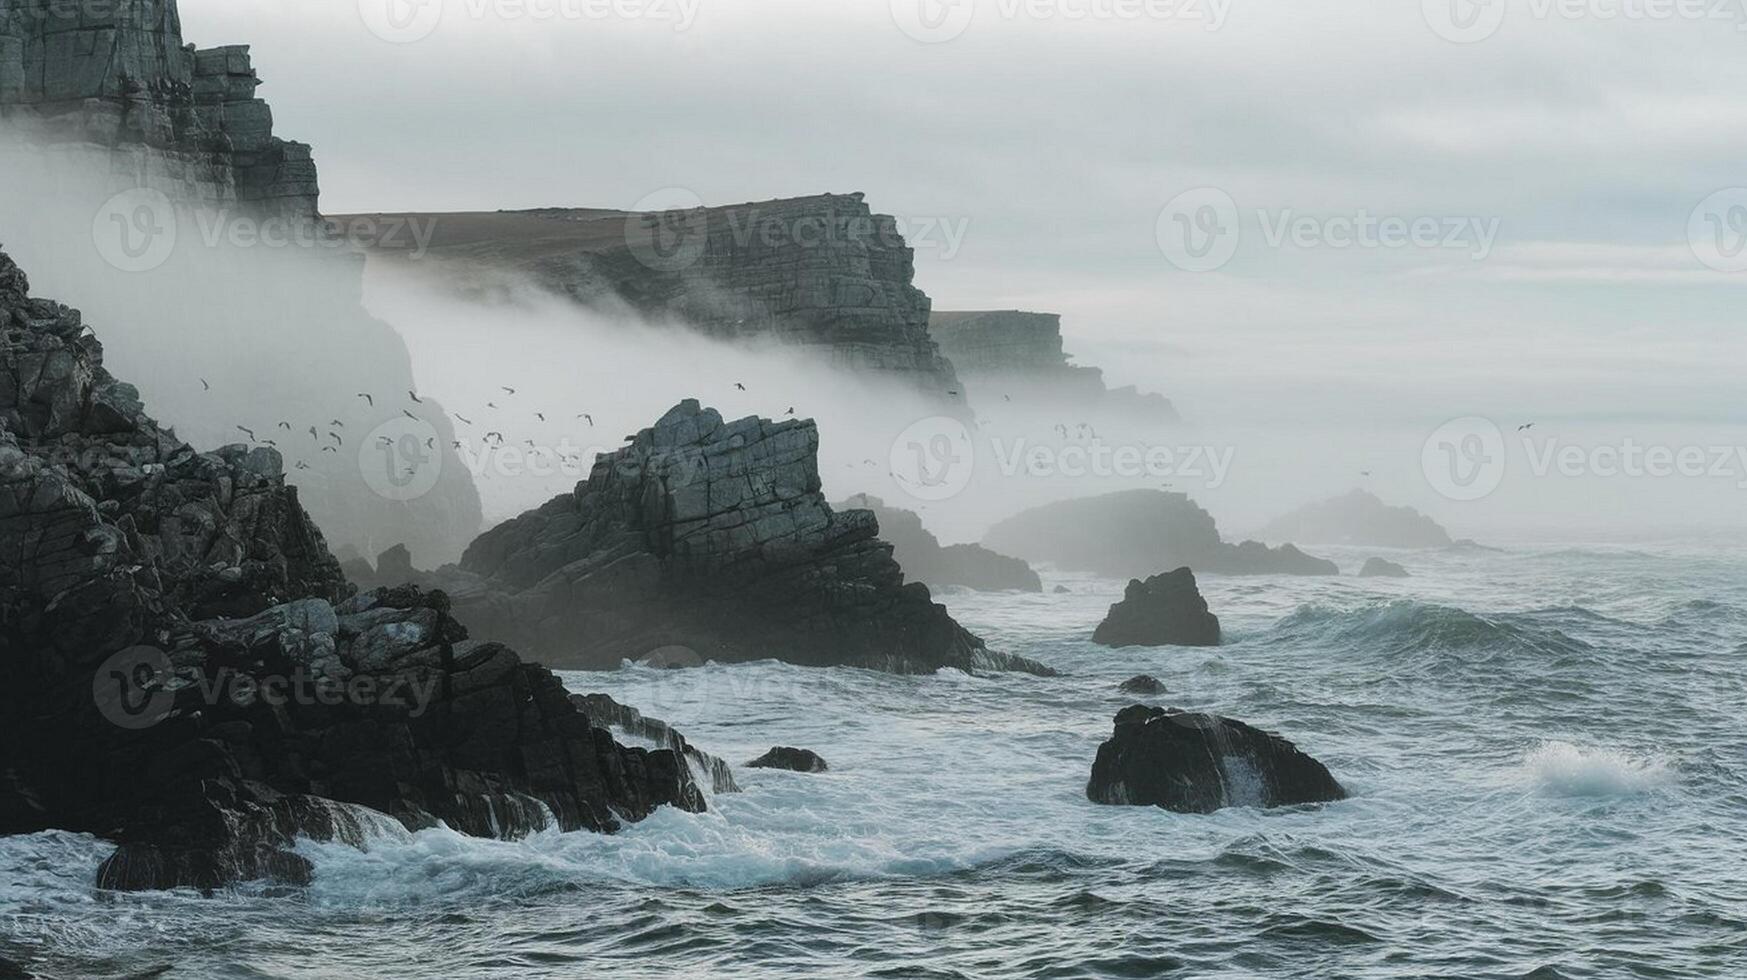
(1564, 769)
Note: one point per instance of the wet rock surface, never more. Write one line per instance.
(713, 537)
(1165, 610)
(1199, 763)
(1142, 684)
(190, 675)
(604, 712)
(794, 760)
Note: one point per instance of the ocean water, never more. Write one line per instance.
(1545, 747)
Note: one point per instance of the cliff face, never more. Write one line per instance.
(1017, 353)
(228, 335)
(823, 273)
(184, 121)
(188, 674)
(708, 540)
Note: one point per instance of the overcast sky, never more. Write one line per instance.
(1035, 152)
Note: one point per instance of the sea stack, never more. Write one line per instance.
(1165, 610)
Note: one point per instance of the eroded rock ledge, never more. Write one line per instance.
(189, 675)
(711, 537)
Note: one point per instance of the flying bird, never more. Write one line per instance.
(302, 465)
(204, 386)
(286, 426)
(269, 442)
(540, 415)
(431, 443)
(247, 432)
(366, 397)
(336, 423)
(415, 396)
(409, 415)
(313, 434)
(329, 449)
(335, 437)
(791, 409)
(464, 421)
(590, 418)
(740, 386)
(509, 390)
(1526, 426)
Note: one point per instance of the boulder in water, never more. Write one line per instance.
(1379, 568)
(1142, 684)
(1165, 610)
(794, 760)
(1199, 763)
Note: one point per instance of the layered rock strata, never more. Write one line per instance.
(1012, 354)
(710, 538)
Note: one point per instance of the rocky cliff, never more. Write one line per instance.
(824, 273)
(1014, 354)
(185, 121)
(1134, 533)
(270, 338)
(188, 674)
(712, 539)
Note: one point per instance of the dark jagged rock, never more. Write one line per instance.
(822, 272)
(1380, 568)
(1133, 533)
(1142, 684)
(108, 97)
(1198, 763)
(605, 712)
(1165, 610)
(923, 559)
(1358, 518)
(190, 676)
(711, 536)
(794, 760)
(1020, 356)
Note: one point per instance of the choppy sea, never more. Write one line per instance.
(1545, 745)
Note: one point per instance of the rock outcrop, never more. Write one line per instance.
(794, 760)
(1199, 763)
(1165, 610)
(1142, 684)
(924, 560)
(712, 536)
(824, 273)
(604, 712)
(1358, 518)
(1382, 568)
(1016, 355)
(1134, 533)
(175, 118)
(189, 675)
(246, 312)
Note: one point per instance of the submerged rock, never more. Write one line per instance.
(710, 536)
(923, 559)
(1142, 684)
(794, 760)
(1379, 568)
(1165, 610)
(1199, 763)
(1133, 533)
(190, 676)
